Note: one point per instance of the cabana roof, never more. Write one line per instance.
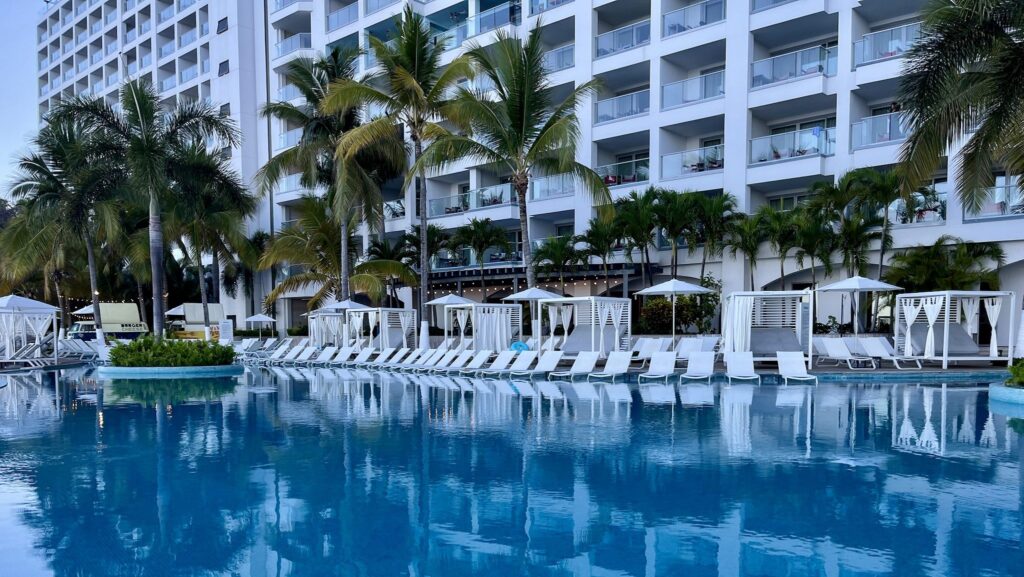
(958, 294)
(570, 300)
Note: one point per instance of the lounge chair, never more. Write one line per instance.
(439, 362)
(344, 354)
(276, 355)
(521, 364)
(793, 365)
(290, 356)
(583, 365)
(397, 362)
(426, 360)
(475, 363)
(382, 357)
(700, 367)
(686, 346)
(395, 358)
(876, 347)
(648, 348)
(499, 363)
(663, 365)
(741, 366)
(323, 356)
(457, 363)
(547, 363)
(616, 365)
(836, 350)
(361, 357)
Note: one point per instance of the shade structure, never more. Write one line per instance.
(450, 299)
(23, 319)
(343, 306)
(20, 304)
(178, 311)
(855, 285)
(260, 318)
(84, 311)
(673, 288)
(532, 294)
(495, 326)
(944, 325)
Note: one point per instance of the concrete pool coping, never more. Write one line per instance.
(169, 372)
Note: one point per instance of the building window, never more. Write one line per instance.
(225, 110)
(223, 68)
(222, 25)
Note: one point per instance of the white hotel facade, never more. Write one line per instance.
(756, 98)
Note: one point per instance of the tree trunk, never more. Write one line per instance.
(90, 255)
(483, 289)
(140, 294)
(520, 185)
(421, 202)
(675, 260)
(650, 265)
(607, 277)
(782, 271)
(343, 287)
(881, 263)
(202, 292)
(156, 262)
(215, 296)
(703, 260)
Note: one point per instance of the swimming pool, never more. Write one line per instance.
(319, 473)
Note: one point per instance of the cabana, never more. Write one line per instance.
(23, 326)
(599, 324)
(329, 324)
(495, 326)
(925, 322)
(388, 327)
(766, 322)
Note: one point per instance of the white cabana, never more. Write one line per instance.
(329, 324)
(495, 326)
(673, 288)
(856, 285)
(532, 295)
(599, 324)
(388, 327)
(943, 325)
(261, 319)
(438, 305)
(23, 324)
(766, 322)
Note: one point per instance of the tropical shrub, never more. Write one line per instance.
(302, 331)
(1016, 374)
(148, 352)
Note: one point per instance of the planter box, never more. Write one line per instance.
(169, 372)
(1003, 394)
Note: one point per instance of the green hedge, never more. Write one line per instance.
(146, 352)
(1016, 374)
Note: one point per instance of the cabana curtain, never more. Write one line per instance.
(910, 312)
(992, 308)
(932, 308)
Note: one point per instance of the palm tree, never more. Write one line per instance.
(397, 251)
(522, 130)
(411, 90)
(815, 240)
(963, 75)
(601, 238)
(437, 241)
(949, 263)
(353, 183)
(635, 220)
(556, 255)
(480, 236)
(242, 272)
(745, 235)
(780, 234)
(714, 215)
(69, 192)
(854, 235)
(147, 136)
(676, 218)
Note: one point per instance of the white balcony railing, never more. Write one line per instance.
(622, 39)
(885, 44)
(553, 186)
(624, 106)
(289, 139)
(1000, 202)
(687, 162)
(487, 197)
(692, 16)
(560, 58)
(881, 129)
(293, 43)
(629, 172)
(692, 90)
(796, 144)
(813, 61)
(538, 6)
(343, 17)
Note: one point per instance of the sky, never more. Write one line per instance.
(18, 101)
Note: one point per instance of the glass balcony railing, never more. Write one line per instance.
(630, 172)
(624, 106)
(394, 209)
(113, 79)
(204, 66)
(81, 9)
(881, 129)
(813, 61)
(758, 5)
(188, 38)
(204, 28)
(290, 183)
(679, 164)
(693, 16)
(185, 4)
(112, 47)
(552, 186)
(165, 14)
(130, 4)
(462, 258)
(131, 35)
(560, 58)
(885, 44)
(96, 57)
(167, 49)
(288, 92)
(1001, 202)
(68, 47)
(796, 144)
(190, 73)
(693, 90)
(146, 26)
(147, 59)
(84, 65)
(289, 139)
(282, 4)
(295, 42)
(343, 17)
(538, 6)
(928, 208)
(111, 17)
(96, 27)
(487, 197)
(69, 75)
(622, 39)
(168, 83)
(370, 58)
(375, 5)
(484, 22)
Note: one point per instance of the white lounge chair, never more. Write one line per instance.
(686, 346)
(700, 367)
(382, 357)
(499, 363)
(616, 365)
(741, 366)
(876, 347)
(522, 363)
(663, 365)
(323, 356)
(583, 365)
(276, 355)
(547, 363)
(648, 348)
(457, 363)
(836, 350)
(475, 363)
(793, 365)
(344, 354)
(440, 362)
(428, 359)
(290, 356)
(361, 357)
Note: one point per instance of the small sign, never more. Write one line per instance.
(227, 331)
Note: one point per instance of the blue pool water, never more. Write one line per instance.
(296, 474)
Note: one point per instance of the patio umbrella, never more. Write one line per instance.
(448, 299)
(856, 285)
(533, 295)
(344, 306)
(673, 288)
(261, 318)
(178, 311)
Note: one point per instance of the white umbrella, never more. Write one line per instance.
(344, 306)
(855, 285)
(450, 299)
(260, 318)
(674, 288)
(178, 311)
(533, 295)
(20, 304)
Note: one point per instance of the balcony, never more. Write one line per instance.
(876, 130)
(82, 66)
(190, 73)
(554, 186)
(693, 16)
(1001, 202)
(113, 79)
(538, 6)
(145, 26)
(289, 139)
(288, 92)
(130, 4)
(813, 61)
(96, 28)
(885, 44)
(165, 14)
(185, 4)
(204, 28)
(290, 183)
(689, 162)
(487, 197)
(112, 47)
(130, 35)
(112, 17)
(560, 58)
(370, 57)
(790, 145)
(484, 22)
(147, 59)
(624, 106)
(928, 209)
(187, 38)
(466, 258)
(167, 49)
(394, 209)
(376, 5)
(96, 57)
(168, 83)
(692, 90)
(282, 4)
(625, 173)
(343, 17)
(622, 39)
(759, 5)
(293, 43)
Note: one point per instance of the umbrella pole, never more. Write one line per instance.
(673, 322)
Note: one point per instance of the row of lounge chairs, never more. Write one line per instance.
(861, 353)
